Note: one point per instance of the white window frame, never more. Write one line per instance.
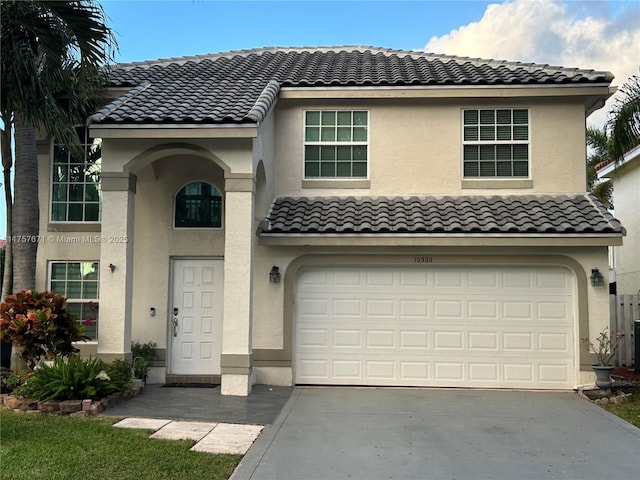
(366, 143)
(479, 142)
(67, 202)
(95, 301)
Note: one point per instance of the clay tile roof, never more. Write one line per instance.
(241, 86)
(517, 214)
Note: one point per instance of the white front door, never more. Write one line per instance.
(195, 322)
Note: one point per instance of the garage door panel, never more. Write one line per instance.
(553, 373)
(380, 339)
(549, 310)
(554, 343)
(377, 278)
(313, 337)
(448, 309)
(344, 338)
(414, 339)
(485, 341)
(483, 279)
(381, 308)
(482, 310)
(552, 279)
(447, 278)
(480, 327)
(348, 307)
(448, 340)
(409, 308)
(414, 278)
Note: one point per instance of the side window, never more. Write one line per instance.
(75, 182)
(495, 143)
(79, 282)
(198, 205)
(336, 144)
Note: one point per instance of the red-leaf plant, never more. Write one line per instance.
(40, 324)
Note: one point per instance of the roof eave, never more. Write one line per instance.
(631, 155)
(174, 130)
(442, 239)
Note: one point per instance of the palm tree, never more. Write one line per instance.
(600, 143)
(624, 122)
(51, 70)
(620, 134)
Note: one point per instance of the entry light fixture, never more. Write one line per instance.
(112, 267)
(597, 280)
(274, 275)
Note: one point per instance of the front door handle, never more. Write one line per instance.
(175, 326)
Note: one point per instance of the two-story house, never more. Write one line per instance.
(336, 216)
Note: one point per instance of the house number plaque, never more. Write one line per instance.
(422, 259)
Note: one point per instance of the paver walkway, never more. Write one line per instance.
(210, 437)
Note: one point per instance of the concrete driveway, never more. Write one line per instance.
(369, 433)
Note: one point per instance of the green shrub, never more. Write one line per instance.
(40, 324)
(13, 381)
(75, 379)
(120, 373)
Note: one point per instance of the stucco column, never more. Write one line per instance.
(236, 360)
(116, 249)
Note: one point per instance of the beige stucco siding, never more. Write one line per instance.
(415, 146)
(627, 210)
(157, 241)
(274, 304)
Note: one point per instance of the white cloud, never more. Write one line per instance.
(572, 34)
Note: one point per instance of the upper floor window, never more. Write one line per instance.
(198, 205)
(496, 143)
(336, 143)
(75, 182)
(79, 282)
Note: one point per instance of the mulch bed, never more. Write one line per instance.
(626, 378)
(626, 373)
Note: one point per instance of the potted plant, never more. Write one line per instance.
(605, 349)
(142, 354)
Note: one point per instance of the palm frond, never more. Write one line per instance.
(624, 123)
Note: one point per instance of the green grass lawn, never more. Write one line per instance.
(627, 411)
(34, 447)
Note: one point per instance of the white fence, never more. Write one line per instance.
(625, 309)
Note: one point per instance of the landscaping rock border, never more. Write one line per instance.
(614, 398)
(68, 407)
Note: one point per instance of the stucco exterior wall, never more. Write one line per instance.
(274, 303)
(626, 183)
(157, 241)
(415, 149)
(416, 146)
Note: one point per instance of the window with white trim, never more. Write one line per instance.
(80, 283)
(495, 143)
(75, 182)
(198, 205)
(336, 144)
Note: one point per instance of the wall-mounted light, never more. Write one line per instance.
(112, 267)
(274, 275)
(597, 280)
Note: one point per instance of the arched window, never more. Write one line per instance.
(198, 205)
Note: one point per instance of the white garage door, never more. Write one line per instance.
(435, 326)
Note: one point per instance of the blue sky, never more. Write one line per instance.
(152, 29)
(597, 34)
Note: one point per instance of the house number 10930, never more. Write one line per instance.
(422, 259)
